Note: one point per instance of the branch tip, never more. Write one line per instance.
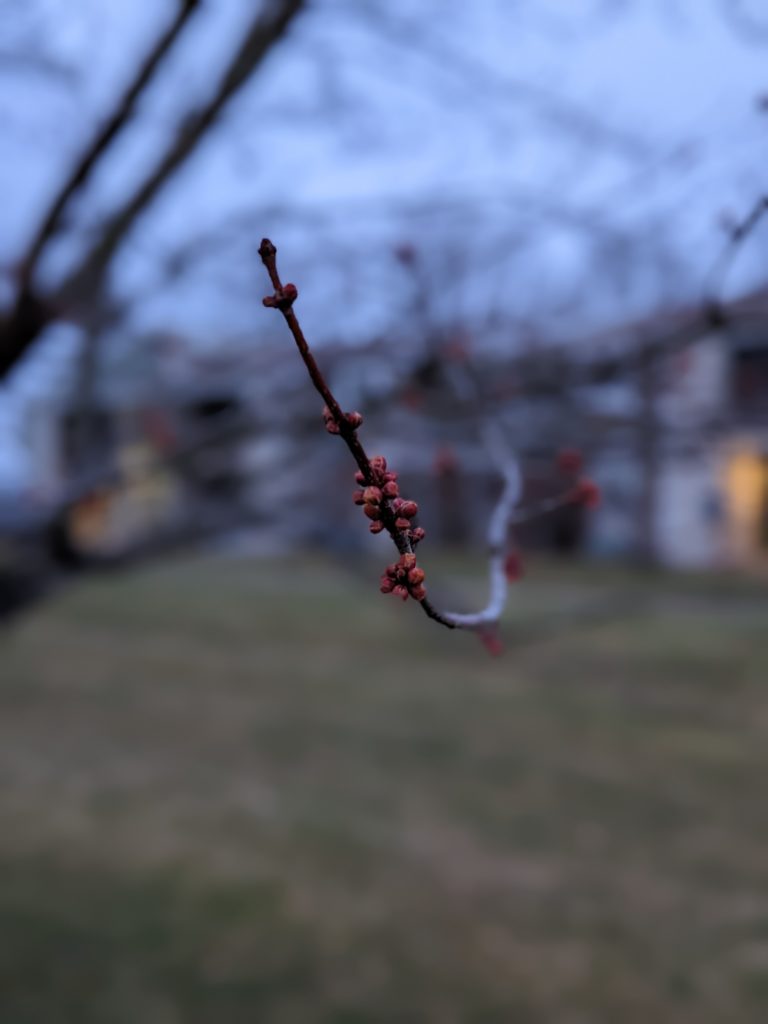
(267, 250)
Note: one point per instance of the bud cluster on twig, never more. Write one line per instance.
(404, 578)
(378, 493)
(381, 500)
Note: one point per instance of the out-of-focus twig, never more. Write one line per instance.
(738, 233)
(506, 462)
(507, 513)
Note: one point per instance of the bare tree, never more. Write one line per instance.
(32, 311)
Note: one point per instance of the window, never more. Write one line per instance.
(750, 380)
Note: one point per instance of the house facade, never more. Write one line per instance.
(695, 456)
(682, 459)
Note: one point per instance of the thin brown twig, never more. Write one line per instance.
(505, 514)
(283, 299)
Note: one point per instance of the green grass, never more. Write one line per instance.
(260, 792)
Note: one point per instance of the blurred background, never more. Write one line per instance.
(238, 784)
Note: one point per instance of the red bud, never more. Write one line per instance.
(491, 640)
(570, 461)
(586, 493)
(513, 566)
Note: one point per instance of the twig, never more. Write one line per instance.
(372, 473)
(507, 512)
(388, 511)
(508, 466)
(737, 235)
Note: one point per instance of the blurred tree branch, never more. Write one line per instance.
(121, 114)
(31, 311)
(750, 25)
(566, 115)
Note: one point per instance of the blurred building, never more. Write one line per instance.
(682, 445)
(173, 443)
(678, 441)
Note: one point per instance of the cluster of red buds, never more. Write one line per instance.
(584, 491)
(384, 492)
(404, 579)
(380, 499)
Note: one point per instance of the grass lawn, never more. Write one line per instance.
(248, 793)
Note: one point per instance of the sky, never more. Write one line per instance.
(587, 151)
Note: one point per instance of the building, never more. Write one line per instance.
(211, 442)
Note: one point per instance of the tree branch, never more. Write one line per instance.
(263, 33)
(738, 233)
(32, 313)
(381, 500)
(94, 151)
(503, 564)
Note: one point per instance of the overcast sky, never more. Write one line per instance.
(520, 121)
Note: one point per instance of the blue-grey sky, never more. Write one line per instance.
(525, 122)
